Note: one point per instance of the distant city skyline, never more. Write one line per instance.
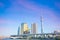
(13, 13)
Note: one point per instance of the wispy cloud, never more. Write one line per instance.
(41, 10)
(4, 21)
(1, 4)
(57, 4)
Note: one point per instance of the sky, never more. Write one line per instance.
(15, 12)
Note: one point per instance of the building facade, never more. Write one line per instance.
(24, 28)
(34, 28)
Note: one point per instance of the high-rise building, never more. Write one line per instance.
(57, 31)
(24, 28)
(34, 28)
(19, 30)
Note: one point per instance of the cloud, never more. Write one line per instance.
(47, 12)
(3, 21)
(57, 4)
(41, 10)
(1, 4)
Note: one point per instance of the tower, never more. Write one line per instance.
(33, 28)
(41, 25)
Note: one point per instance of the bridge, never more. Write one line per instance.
(44, 35)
